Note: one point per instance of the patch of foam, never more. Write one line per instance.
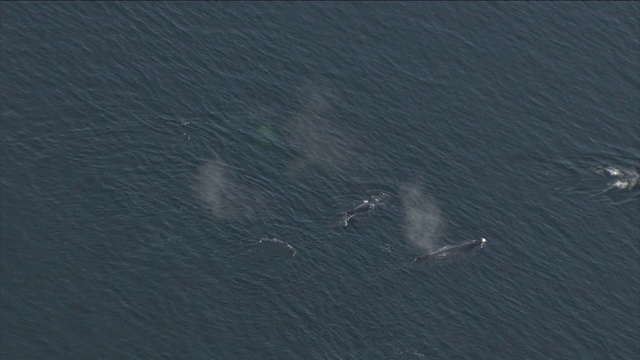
(276, 240)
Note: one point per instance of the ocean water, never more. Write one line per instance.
(172, 175)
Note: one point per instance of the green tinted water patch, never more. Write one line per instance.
(267, 135)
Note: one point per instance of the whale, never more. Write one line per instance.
(453, 250)
(364, 207)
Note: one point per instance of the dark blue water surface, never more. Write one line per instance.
(172, 174)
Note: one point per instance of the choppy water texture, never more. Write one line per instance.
(172, 175)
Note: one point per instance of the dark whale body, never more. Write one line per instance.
(453, 250)
(366, 206)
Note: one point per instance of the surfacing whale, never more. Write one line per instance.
(624, 178)
(453, 250)
(366, 206)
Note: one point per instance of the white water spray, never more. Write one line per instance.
(621, 178)
(226, 196)
(423, 221)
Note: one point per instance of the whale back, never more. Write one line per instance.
(453, 250)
